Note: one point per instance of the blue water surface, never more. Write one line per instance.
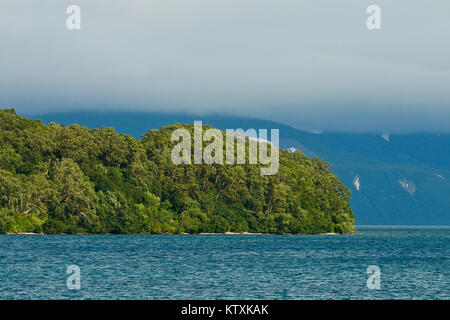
(414, 264)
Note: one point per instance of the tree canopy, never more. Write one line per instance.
(71, 179)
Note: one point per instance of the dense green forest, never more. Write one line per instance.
(70, 179)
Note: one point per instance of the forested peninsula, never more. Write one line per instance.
(71, 179)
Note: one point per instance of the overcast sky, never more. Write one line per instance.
(312, 64)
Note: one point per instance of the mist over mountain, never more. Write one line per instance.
(309, 64)
(399, 179)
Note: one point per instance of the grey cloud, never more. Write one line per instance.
(311, 64)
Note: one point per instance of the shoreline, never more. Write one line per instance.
(185, 234)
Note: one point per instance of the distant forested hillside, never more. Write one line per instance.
(403, 179)
(71, 179)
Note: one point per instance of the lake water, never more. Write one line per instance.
(414, 264)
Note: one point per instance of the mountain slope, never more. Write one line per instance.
(403, 179)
